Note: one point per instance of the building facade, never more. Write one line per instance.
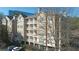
(18, 28)
(9, 26)
(0, 28)
(31, 30)
(35, 30)
(45, 29)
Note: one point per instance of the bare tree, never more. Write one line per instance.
(58, 13)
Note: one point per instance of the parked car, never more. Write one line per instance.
(10, 48)
(17, 49)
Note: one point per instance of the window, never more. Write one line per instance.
(27, 37)
(26, 25)
(31, 37)
(35, 39)
(20, 17)
(35, 24)
(31, 31)
(49, 18)
(21, 26)
(26, 31)
(31, 19)
(31, 25)
(42, 18)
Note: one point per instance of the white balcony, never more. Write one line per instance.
(29, 28)
(51, 45)
(34, 27)
(29, 22)
(35, 22)
(34, 34)
(29, 34)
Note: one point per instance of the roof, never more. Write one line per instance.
(30, 17)
(11, 17)
(13, 12)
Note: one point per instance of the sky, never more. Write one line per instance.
(5, 10)
(74, 11)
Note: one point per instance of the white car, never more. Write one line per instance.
(16, 48)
